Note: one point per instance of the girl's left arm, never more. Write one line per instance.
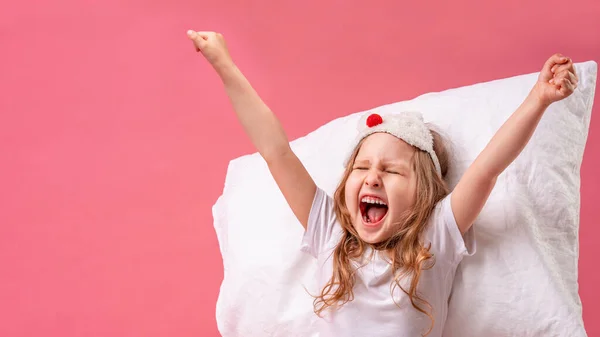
(557, 80)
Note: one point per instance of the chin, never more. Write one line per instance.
(370, 234)
(368, 238)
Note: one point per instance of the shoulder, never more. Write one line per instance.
(443, 234)
(323, 230)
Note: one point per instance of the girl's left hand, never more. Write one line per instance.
(557, 79)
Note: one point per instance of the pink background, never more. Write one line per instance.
(115, 135)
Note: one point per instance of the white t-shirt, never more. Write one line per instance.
(373, 312)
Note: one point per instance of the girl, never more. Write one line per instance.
(392, 236)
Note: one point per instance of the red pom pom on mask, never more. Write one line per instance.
(374, 120)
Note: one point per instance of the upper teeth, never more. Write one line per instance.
(372, 200)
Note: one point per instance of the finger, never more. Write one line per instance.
(566, 87)
(557, 78)
(191, 34)
(568, 75)
(573, 79)
(205, 35)
(560, 80)
(557, 68)
(555, 59)
(198, 39)
(574, 72)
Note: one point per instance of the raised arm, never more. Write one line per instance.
(261, 125)
(557, 80)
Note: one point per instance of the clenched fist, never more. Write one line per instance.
(557, 79)
(212, 46)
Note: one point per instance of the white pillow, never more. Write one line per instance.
(521, 282)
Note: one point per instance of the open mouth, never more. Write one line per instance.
(372, 210)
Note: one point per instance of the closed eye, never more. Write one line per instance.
(392, 172)
(360, 168)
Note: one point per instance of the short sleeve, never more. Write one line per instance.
(322, 224)
(445, 237)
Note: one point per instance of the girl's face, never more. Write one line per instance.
(381, 186)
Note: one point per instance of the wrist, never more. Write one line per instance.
(225, 69)
(536, 97)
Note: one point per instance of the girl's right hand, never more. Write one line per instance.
(213, 47)
(261, 125)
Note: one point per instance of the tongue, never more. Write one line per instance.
(375, 213)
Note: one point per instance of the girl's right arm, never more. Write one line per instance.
(261, 125)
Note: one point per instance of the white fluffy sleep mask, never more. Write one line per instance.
(406, 125)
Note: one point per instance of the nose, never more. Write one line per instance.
(373, 179)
